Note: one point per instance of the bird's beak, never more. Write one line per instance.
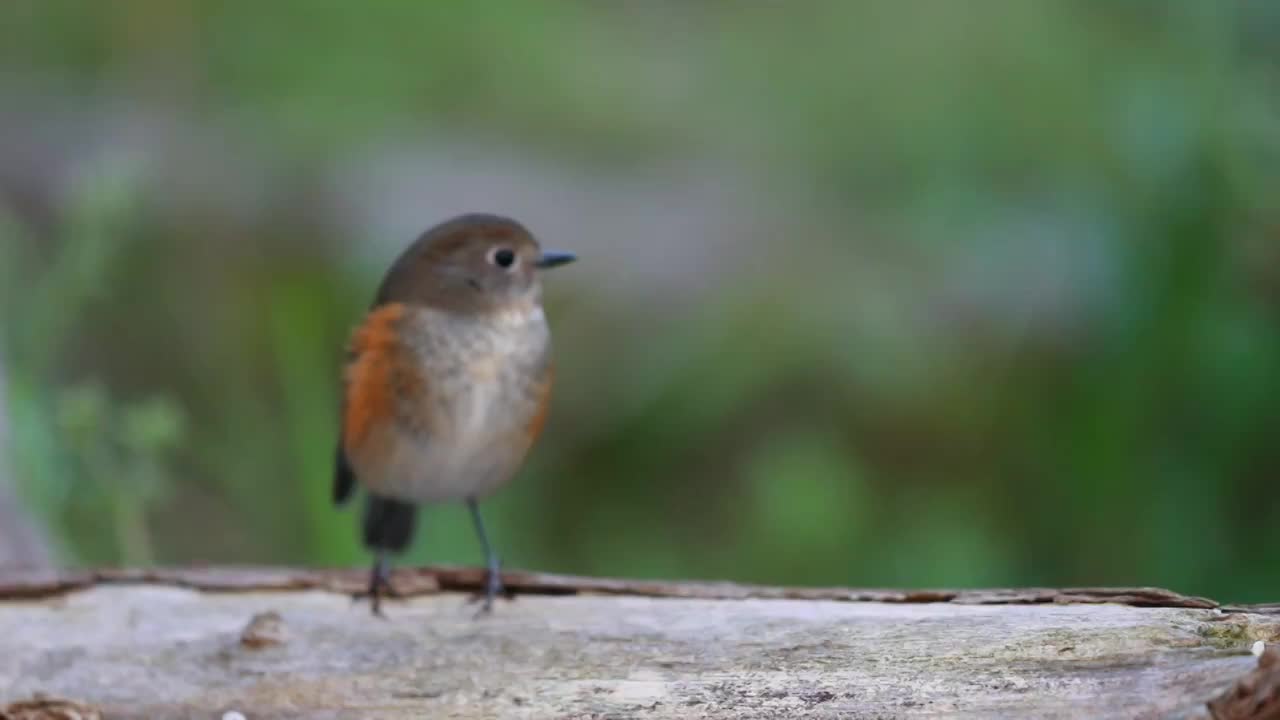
(551, 258)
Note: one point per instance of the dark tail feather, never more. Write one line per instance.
(388, 524)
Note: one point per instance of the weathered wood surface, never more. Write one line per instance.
(289, 643)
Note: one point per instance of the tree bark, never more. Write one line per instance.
(286, 643)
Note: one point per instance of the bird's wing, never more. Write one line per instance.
(368, 392)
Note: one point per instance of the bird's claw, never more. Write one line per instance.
(492, 588)
(375, 604)
(379, 587)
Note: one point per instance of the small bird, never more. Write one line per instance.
(447, 382)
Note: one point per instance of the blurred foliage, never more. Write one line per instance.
(82, 454)
(119, 458)
(1015, 318)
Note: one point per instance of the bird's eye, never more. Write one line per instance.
(502, 257)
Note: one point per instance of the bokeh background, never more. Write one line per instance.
(871, 293)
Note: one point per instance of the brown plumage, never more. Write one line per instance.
(447, 382)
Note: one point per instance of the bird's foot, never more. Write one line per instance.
(375, 601)
(379, 587)
(493, 587)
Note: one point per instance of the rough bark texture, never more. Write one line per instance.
(199, 643)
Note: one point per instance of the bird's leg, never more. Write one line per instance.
(492, 576)
(378, 581)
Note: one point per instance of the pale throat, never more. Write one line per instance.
(517, 314)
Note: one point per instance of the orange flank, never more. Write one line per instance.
(539, 419)
(371, 375)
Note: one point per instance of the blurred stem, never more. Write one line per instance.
(133, 538)
(128, 514)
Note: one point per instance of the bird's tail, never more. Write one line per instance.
(388, 524)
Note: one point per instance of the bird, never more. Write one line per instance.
(446, 384)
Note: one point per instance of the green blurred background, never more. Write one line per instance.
(871, 293)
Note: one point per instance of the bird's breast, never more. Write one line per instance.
(488, 383)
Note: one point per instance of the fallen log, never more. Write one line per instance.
(286, 643)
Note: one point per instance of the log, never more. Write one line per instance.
(290, 643)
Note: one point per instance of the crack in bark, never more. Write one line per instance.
(410, 581)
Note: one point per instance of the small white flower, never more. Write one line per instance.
(1258, 648)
